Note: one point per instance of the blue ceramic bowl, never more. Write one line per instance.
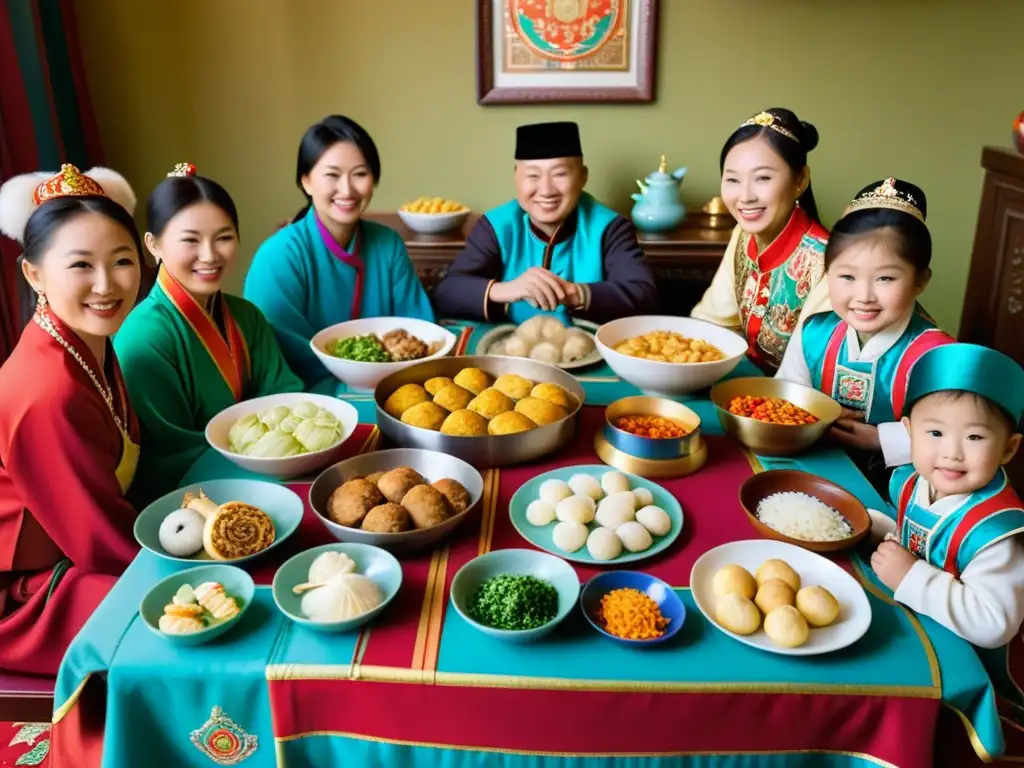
(525, 562)
(236, 582)
(373, 562)
(283, 507)
(651, 448)
(668, 601)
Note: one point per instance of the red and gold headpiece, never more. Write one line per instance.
(768, 120)
(183, 169)
(21, 195)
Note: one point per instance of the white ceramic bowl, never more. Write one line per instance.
(364, 376)
(433, 223)
(660, 378)
(291, 466)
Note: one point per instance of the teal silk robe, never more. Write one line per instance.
(181, 372)
(304, 283)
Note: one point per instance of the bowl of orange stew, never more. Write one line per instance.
(773, 417)
(652, 428)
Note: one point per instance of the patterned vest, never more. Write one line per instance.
(878, 387)
(772, 286)
(985, 517)
(577, 259)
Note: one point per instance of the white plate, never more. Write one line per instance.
(814, 570)
(501, 332)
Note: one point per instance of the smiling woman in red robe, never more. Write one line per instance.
(68, 437)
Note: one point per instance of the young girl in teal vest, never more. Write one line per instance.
(861, 353)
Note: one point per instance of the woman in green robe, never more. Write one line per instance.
(188, 351)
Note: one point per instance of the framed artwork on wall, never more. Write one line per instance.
(566, 51)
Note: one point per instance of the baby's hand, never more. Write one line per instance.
(892, 563)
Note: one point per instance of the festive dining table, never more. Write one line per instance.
(419, 686)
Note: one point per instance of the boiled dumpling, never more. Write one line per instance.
(546, 352)
(330, 564)
(655, 520)
(530, 331)
(539, 512)
(615, 510)
(515, 346)
(554, 332)
(586, 485)
(603, 544)
(553, 491)
(634, 536)
(644, 498)
(577, 346)
(345, 596)
(569, 537)
(613, 482)
(576, 509)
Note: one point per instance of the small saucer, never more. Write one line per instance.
(681, 467)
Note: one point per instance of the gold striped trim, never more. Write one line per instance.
(495, 491)
(280, 741)
(419, 647)
(979, 748)
(433, 640)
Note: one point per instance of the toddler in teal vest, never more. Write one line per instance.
(951, 550)
(861, 353)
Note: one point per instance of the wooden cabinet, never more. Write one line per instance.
(683, 260)
(993, 312)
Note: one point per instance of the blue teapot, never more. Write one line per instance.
(658, 206)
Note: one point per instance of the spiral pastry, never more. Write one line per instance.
(237, 530)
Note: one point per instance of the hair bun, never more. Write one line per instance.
(810, 137)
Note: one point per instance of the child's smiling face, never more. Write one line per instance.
(958, 441)
(871, 287)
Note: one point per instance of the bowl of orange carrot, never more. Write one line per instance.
(632, 608)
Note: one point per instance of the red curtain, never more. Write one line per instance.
(45, 120)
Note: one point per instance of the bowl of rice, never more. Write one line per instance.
(805, 510)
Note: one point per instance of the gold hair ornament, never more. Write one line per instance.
(768, 120)
(885, 195)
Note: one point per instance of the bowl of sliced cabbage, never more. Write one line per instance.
(286, 435)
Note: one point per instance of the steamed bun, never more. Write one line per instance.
(615, 510)
(539, 512)
(613, 482)
(586, 485)
(575, 509)
(603, 544)
(553, 491)
(569, 537)
(634, 536)
(553, 331)
(644, 498)
(546, 352)
(655, 520)
(515, 346)
(734, 578)
(530, 331)
(577, 346)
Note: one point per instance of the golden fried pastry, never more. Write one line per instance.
(737, 614)
(490, 403)
(509, 423)
(396, 483)
(473, 379)
(456, 493)
(453, 397)
(818, 606)
(188, 611)
(464, 423)
(180, 625)
(734, 578)
(513, 385)
(436, 384)
(541, 412)
(555, 394)
(778, 569)
(216, 601)
(425, 416)
(404, 398)
(373, 477)
(786, 626)
(773, 593)
(427, 506)
(349, 504)
(387, 518)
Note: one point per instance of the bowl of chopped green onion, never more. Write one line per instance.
(517, 595)
(360, 353)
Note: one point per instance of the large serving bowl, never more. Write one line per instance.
(432, 465)
(764, 484)
(219, 427)
(774, 439)
(434, 223)
(489, 450)
(364, 376)
(662, 378)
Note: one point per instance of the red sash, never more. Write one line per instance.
(930, 339)
(230, 355)
(903, 499)
(353, 260)
(1005, 499)
(828, 366)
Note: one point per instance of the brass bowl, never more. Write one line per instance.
(774, 439)
(684, 466)
(764, 484)
(651, 448)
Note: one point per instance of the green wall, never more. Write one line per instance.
(912, 88)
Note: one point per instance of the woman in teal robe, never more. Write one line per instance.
(330, 265)
(188, 351)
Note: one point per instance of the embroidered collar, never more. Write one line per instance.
(878, 344)
(942, 507)
(781, 248)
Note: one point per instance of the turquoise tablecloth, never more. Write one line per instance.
(159, 694)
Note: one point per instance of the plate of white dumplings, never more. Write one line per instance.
(596, 515)
(544, 338)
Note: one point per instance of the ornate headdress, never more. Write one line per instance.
(886, 195)
(182, 169)
(768, 120)
(21, 195)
